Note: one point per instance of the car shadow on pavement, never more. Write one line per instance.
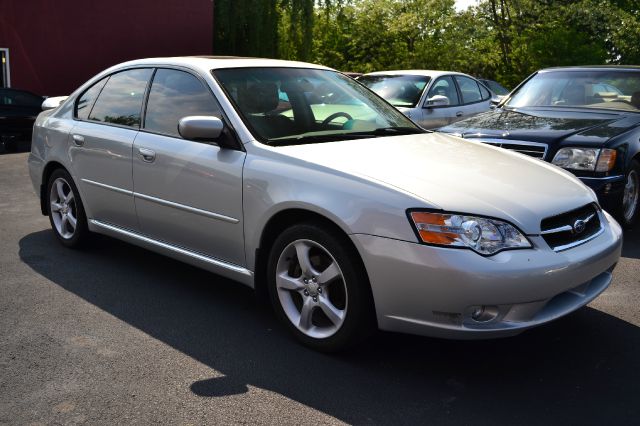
(582, 369)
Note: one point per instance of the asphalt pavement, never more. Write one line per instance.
(115, 334)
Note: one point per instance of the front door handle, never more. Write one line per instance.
(78, 140)
(459, 114)
(147, 155)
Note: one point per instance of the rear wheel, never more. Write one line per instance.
(319, 289)
(65, 209)
(630, 206)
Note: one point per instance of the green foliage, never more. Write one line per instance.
(246, 27)
(501, 39)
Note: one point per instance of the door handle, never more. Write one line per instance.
(78, 140)
(459, 114)
(147, 155)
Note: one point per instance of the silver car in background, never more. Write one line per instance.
(296, 180)
(431, 99)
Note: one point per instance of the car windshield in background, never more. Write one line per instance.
(619, 90)
(398, 90)
(285, 106)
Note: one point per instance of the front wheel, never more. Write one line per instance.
(319, 289)
(630, 206)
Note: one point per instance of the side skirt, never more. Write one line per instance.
(220, 267)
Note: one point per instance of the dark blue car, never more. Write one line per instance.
(583, 119)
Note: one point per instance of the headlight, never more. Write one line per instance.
(589, 159)
(483, 235)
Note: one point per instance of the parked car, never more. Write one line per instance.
(497, 89)
(430, 98)
(584, 119)
(18, 112)
(494, 86)
(295, 179)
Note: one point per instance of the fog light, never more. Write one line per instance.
(484, 313)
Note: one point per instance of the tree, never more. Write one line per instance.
(501, 39)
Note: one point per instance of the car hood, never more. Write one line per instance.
(455, 175)
(551, 126)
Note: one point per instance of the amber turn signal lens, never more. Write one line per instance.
(433, 234)
(606, 160)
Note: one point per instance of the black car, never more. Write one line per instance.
(583, 119)
(18, 111)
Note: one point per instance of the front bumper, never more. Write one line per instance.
(433, 291)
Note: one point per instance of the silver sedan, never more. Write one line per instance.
(296, 180)
(431, 99)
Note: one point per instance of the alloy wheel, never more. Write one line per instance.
(64, 211)
(311, 288)
(631, 195)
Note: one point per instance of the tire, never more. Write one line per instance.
(628, 213)
(325, 315)
(64, 208)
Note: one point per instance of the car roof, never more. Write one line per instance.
(207, 63)
(594, 68)
(426, 73)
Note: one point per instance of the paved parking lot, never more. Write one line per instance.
(116, 334)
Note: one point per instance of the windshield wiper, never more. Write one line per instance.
(396, 130)
(383, 131)
(316, 138)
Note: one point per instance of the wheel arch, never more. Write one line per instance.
(278, 223)
(46, 173)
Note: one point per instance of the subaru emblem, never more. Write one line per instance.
(579, 226)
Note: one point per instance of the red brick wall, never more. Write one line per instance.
(56, 45)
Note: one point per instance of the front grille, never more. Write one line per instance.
(536, 151)
(532, 149)
(572, 228)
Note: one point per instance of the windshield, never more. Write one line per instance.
(398, 90)
(608, 89)
(284, 106)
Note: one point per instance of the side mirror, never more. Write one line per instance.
(200, 128)
(437, 101)
(54, 102)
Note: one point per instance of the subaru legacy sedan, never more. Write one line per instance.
(297, 181)
(431, 98)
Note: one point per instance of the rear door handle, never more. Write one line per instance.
(459, 114)
(78, 140)
(147, 155)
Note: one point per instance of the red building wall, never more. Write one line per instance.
(56, 45)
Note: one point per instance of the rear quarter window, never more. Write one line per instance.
(85, 102)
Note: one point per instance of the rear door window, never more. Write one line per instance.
(120, 101)
(174, 95)
(469, 89)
